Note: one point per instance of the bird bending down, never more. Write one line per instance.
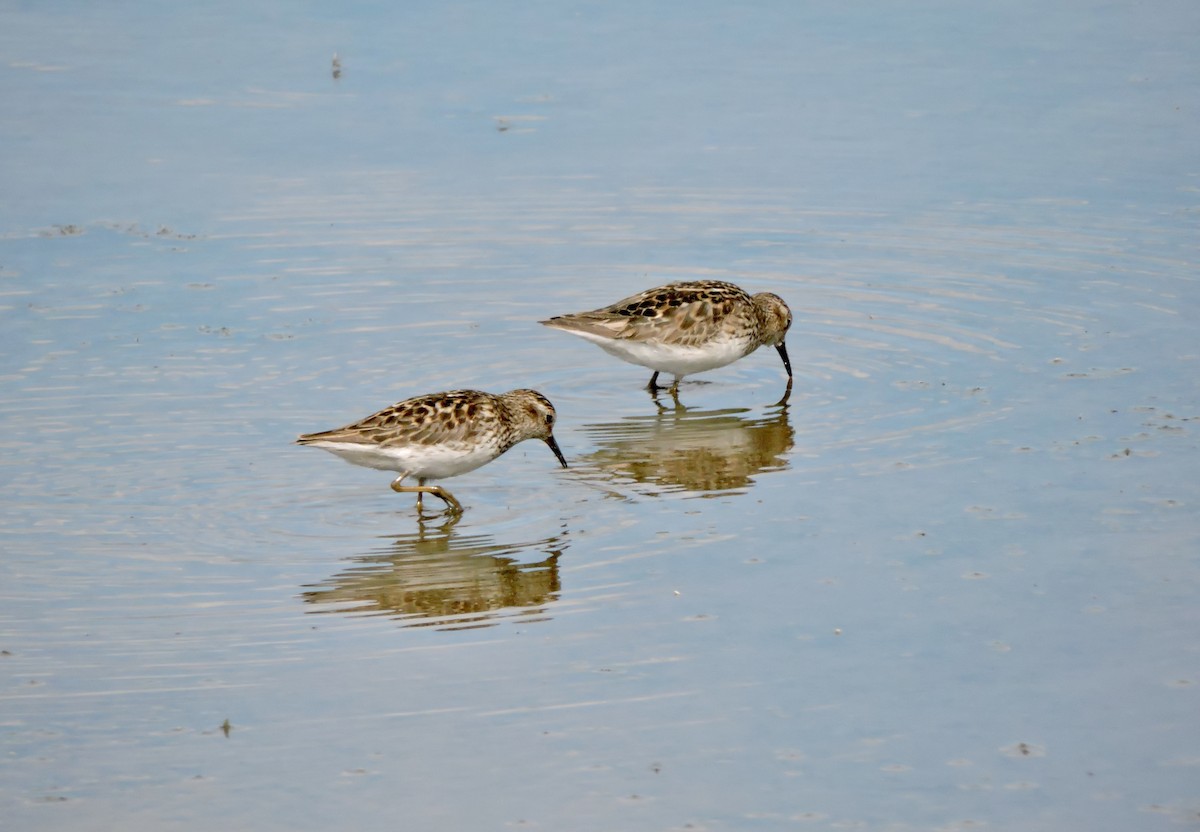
(441, 435)
(685, 328)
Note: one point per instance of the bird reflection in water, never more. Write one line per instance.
(439, 578)
(694, 450)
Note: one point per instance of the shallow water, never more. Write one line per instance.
(951, 584)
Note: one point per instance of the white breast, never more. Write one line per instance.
(671, 358)
(427, 461)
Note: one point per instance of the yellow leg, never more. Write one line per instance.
(422, 489)
(654, 387)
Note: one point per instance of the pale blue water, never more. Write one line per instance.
(953, 584)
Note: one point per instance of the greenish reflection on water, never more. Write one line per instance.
(692, 449)
(438, 577)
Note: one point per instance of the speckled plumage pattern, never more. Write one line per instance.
(685, 328)
(441, 435)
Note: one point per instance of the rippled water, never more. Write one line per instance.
(951, 583)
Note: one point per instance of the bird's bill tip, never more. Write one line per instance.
(781, 348)
(558, 453)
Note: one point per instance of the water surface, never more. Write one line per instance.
(951, 584)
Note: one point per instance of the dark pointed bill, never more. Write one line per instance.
(781, 348)
(554, 447)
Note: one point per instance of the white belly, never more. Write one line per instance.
(669, 358)
(433, 462)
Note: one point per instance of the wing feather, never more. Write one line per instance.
(423, 420)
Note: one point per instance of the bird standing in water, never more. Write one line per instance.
(685, 328)
(441, 435)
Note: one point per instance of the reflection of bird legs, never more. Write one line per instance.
(422, 489)
(677, 406)
(445, 521)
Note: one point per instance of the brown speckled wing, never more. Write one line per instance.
(688, 314)
(424, 420)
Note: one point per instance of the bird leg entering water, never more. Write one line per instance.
(422, 489)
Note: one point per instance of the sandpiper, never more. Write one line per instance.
(441, 435)
(685, 328)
